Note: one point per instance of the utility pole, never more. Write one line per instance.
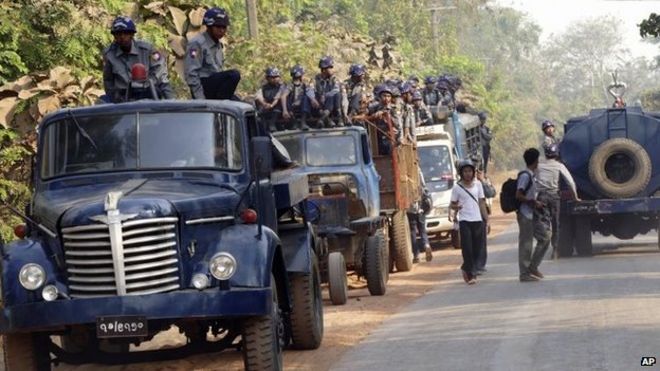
(253, 23)
(436, 7)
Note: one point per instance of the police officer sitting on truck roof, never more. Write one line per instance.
(122, 56)
(270, 100)
(205, 60)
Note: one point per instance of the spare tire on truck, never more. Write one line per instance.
(620, 168)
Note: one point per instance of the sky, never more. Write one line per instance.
(555, 15)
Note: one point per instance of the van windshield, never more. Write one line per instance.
(85, 144)
(435, 162)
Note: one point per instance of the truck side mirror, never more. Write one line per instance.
(262, 156)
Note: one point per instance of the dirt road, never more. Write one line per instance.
(345, 326)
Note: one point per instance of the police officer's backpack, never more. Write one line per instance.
(508, 201)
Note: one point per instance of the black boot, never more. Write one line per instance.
(303, 123)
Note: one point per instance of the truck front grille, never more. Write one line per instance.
(147, 262)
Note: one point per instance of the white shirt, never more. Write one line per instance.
(469, 211)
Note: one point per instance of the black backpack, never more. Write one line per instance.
(508, 200)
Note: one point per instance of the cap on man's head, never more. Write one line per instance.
(216, 17)
(123, 24)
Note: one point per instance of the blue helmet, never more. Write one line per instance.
(546, 124)
(123, 24)
(380, 89)
(482, 115)
(357, 70)
(272, 72)
(216, 17)
(406, 88)
(413, 78)
(416, 95)
(297, 71)
(326, 62)
(551, 150)
(430, 80)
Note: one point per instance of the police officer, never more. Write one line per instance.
(407, 113)
(205, 60)
(355, 88)
(383, 112)
(270, 100)
(430, 92)
(486, 138)
(297, 99)
(122, 54)
(328, 94)
(549, 138)
(422, 114)
(548, 175)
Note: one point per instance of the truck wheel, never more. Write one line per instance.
(376, 269)
(26, 352)
(307, 309)
(262, 338)
(337, 282)
(401, 239)
(455, 239)
(583, 236)
(620, 167)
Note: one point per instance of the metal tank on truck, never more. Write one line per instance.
(614, 156)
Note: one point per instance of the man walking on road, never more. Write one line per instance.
(469, 201)
(526, 194)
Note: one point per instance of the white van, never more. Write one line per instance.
(437, 158)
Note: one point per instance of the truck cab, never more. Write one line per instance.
(147, 215)
(437, 159)
(345, 199)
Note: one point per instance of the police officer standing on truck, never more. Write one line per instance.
(205, 60)
(122, 54)
(549, 138)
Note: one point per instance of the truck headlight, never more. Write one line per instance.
(50, 293)
(222, 266)
(32, 276)
(200, 281)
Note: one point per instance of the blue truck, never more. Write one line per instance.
(345, 199)
(614, 156)
(153, 214)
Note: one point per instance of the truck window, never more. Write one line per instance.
(366, 151)
(141, 141)
(435, 162)
(330, 151)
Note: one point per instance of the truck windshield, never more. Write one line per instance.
(435, 163)
(82, 144)
(331, 150)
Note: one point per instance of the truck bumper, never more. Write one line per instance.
(437, 225)
(211, 303)
(617, 206)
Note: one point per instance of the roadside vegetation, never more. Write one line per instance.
(50, 57)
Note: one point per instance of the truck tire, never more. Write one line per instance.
(262, 338)
(337, 282)
(24, 352)
(401, 240)
(375, 262)
(620, 168)
(307, 309)
(455, 239)
(582, 235)
(565, 240)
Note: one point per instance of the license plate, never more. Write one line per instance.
(121, 326)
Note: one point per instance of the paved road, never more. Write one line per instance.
(599, 313)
